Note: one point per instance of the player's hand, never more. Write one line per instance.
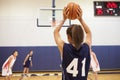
(65, 13)
(23, 63)
(12, 67)
(8, 70)
(97, 65)
(31, 65)
(79, 12)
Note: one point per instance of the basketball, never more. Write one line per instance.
(72, 12)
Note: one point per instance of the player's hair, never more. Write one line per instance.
(77, 35)
(30, 51)
(14, 51)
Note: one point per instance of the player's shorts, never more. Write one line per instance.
(5, 72)
(27, 65)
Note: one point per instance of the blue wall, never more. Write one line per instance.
(108, 56)
(48, 58)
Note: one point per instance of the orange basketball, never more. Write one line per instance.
(72, 12)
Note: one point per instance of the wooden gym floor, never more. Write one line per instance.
(101, 76)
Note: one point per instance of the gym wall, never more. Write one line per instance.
(19, 31)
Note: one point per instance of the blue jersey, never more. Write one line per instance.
(28, 61)
(75, 63)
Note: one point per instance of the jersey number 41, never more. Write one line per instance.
(73, 67)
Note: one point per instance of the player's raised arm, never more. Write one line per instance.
(57, 36)
(85, 27)
(57, 29)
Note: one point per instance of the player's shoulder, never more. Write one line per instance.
(66, 45)
(11, 56)
(85, 45)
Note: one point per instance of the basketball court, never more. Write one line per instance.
(103, 75)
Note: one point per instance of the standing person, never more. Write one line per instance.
(75, 54)
(27, 63)
(8, 65)
(95, 64)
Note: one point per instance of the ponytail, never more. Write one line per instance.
(77, 35)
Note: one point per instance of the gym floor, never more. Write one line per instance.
(103, 75)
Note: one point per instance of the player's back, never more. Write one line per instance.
(75, 63)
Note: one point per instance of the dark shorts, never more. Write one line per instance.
(27, 65)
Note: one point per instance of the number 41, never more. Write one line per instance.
(73, 67)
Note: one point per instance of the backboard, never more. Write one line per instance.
(46, 16)
(51, 15)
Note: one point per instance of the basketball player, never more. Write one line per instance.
(8, 65)
(75, 54)
(95, 65)
(27, 63)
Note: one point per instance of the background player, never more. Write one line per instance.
(27, 63)
(75, 54)
(8, 65)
